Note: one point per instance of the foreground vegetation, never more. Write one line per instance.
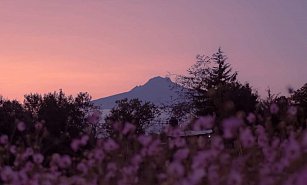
(245, 153)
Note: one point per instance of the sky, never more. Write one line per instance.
(106, 47)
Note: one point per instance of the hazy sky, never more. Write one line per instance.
(109, 46)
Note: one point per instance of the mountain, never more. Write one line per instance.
(157, 90)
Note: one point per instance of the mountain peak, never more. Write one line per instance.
(157, 90)
(158, 80)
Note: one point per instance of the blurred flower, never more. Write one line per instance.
(21, 126)
(13, 149)
(181, 154)
(136, 159)
(111, 166)
(128, 128)
(196, 176)
(82, 167)
(292, 150)
(110, 145)
(203, 123)
(176, 169)
(38, 158)
(6, 173)
(234, 178)
(251, 118)
(154, 148)
(84, 139)
(144, 140)
(217, 143)
(38, 126)
(292, 111)
(65, 161)
(28, 152)
(230, 127)
(246, 138)
(75, 144)
(98, 154)
(274, 108)
(4, 139)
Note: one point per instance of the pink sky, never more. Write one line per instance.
(106, 47)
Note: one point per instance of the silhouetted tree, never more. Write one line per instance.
(64, 117)
(299, 98)
(221, 73)
(133, 111)
(11, 113)
(213, 88)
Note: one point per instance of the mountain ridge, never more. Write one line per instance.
(158, 90)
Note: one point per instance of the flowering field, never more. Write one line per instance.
(244, 151)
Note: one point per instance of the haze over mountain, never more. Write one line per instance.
(157, 90)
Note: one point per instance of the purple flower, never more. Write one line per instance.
(144, 140)
(110, 145)
(274, 108)
(230, 127)
(234, 178)
(251, 118)
(203, 123)
(38, 158)
(65, 161)
(75, 144)
(217, 143)
(128, 128)
(82, 167)
(21, 126)
(98, 154)
(4, 139)
(292, 150)
(292, 111)
(181, 154)
(246, 137)
(196, 176)
(176, 169)
(7, 173)
(154, 148)
(84, 139)
(13, 149)
(38, 126)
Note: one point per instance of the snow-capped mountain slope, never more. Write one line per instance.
(157, 90)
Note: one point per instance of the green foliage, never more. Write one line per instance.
(133, 111)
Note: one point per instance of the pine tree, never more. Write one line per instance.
(221, 72)
(213, 87)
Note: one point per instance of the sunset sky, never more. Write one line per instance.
(109, 46)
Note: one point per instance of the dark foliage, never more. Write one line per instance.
(214, 89)
(133, 111)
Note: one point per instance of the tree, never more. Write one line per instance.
(11, 113)
(221, 73)
(133, 111)
(64, 117)
(214, 89)
(299, 98)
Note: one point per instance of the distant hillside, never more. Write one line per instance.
(157, 90)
